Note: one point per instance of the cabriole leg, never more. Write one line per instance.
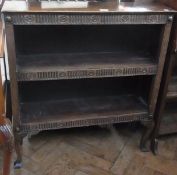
(19, 150)
(154, 146)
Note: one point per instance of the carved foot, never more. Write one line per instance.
(154, 146)
(148, 128)
(18, 149)
(144, 148)
(17, 164)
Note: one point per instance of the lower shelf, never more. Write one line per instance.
(76, 112)
(169, 120)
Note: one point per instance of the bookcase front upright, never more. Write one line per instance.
(166, 110)
(87, 66)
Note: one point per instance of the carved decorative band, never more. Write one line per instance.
(76, 19)
(76, 74)
(80, 123)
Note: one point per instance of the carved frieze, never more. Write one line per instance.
(88, 122)
(92, 73)
(76, 19)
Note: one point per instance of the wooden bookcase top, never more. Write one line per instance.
(85, 6)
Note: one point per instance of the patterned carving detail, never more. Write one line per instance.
(29, 19)
(152, 18)
(74, 19)
(64, 19)
(170, 18)
(94, 73)
(8, 19)
(79, 123)
(125, 18)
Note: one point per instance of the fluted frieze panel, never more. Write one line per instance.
(91, 19)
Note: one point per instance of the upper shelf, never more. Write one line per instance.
(83, 65)
(84, 6)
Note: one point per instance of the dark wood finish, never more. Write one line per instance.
(165, 120)
(83, 65)
(172, 4)
(79, 59)
(115, 52)
(14, 89)
(94, 58)
(79, 107)
(168, 94)
(11, 55)
(157, 78)
(82, 112)
(162, 99)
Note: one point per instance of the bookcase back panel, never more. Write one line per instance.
(76, 39)
(53, 90)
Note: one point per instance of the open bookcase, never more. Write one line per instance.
(71, 76)
(85, 66)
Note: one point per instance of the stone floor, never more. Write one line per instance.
(95, 151)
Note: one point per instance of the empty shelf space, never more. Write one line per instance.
(172, 88)
(86, 111)
(82, 102)
(86, 51)
(84, 65)
(169, 119)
